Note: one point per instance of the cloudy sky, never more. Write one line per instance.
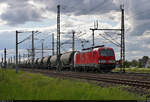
(77, 15)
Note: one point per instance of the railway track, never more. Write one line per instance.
(97, 77)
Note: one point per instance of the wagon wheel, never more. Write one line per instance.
(99, 70)
(87, 69)
(106, 71)
(49, 66)
(75, 69)
(80, 69)
(72, 68)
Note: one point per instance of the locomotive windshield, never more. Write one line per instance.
(106, 52)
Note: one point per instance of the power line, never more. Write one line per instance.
(110, 40)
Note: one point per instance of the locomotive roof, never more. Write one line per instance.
(94, 49)
(102, 48)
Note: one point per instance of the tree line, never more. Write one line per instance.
(137, 63)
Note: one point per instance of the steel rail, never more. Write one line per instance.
(129, 82)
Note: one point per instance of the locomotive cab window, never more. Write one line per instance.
(106, 52)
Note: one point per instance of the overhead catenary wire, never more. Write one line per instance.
(110, 40)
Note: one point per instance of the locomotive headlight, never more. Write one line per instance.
(111, 61)
(102, 61)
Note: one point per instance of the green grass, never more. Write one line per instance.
(137, 70)
(29, 86)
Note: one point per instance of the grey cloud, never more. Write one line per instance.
(138, 45)
(81, 7)
(141, 16)
(140, 28)
(68, 24)
(19, 12)
(20, 16)
(139, 13)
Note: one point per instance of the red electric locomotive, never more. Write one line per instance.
(98, 58)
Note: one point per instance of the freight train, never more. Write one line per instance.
(98, 58)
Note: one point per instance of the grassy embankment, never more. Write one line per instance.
(29, 86)
(137, 70)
